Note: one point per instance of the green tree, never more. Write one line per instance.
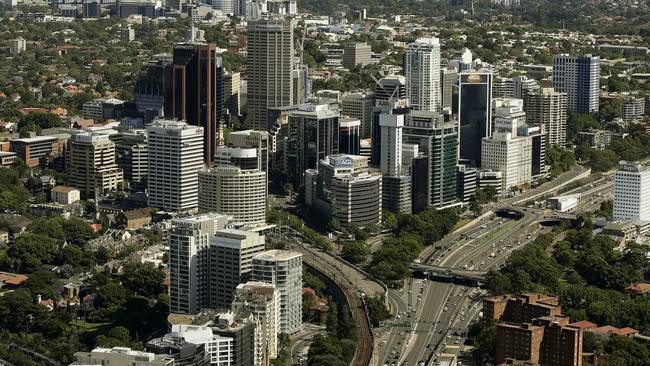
(30, 251)
(143, 278)
(356, 252)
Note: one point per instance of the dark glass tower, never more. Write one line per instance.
(195, 90)
(474, 113)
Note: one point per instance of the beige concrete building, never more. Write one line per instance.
(359, 105)
(357, 54)
(91, 164)
(269, 69)
(231, 261)
(548, 107)
(232, 191)
(18, 45)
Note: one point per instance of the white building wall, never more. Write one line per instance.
(422, 70)
(632, 192)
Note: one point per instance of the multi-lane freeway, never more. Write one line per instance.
(431, 318)
(427, 310)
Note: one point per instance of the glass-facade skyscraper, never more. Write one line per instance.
(474, 113)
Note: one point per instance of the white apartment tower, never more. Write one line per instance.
(263, 301)
(231, 261)
(509, 154)
(391, 140)
(175, 157)
(189, 244)
(632, 192)
(283, 269)
(549, 108)
(422, 70)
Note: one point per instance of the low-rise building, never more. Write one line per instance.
(65, 195)
(7, 159)
(596, 139)
(134, 219)
(121, 356)
(638, 289)
(35, 149)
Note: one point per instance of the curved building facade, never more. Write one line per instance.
(356, 199)
(231, 191)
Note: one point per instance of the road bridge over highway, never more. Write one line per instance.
(463, 274)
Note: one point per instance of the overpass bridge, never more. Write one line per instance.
(453, 274)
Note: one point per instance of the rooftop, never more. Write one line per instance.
(31, 140)
(277, 254)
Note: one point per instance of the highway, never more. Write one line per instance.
(300, 342)
(432, 317)
(427, 309)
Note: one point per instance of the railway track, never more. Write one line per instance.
(363, 352)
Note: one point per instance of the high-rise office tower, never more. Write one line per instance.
(390, 97)
(420, 184)
(175, 156)
(422, 70)
(579, 77)
(437, 140)
(231, 95)
(269, 68)
(233, 191)
(91, 164)
(357, 54)
(283, 269)
(345, 189)
(515, 87)
(548, 107)
(195, 94)
(474, 112)
(632, 192)
(313, 133)
(391, 87)
(153, 86)
(349, 131)
(228, 7)
(465, 183)
(132, 155)
(537, 135)
(359, 105)
(189, 244)
(231, 262)
(448, 78)
(509, 154)
(391, 139)
(258, 140)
